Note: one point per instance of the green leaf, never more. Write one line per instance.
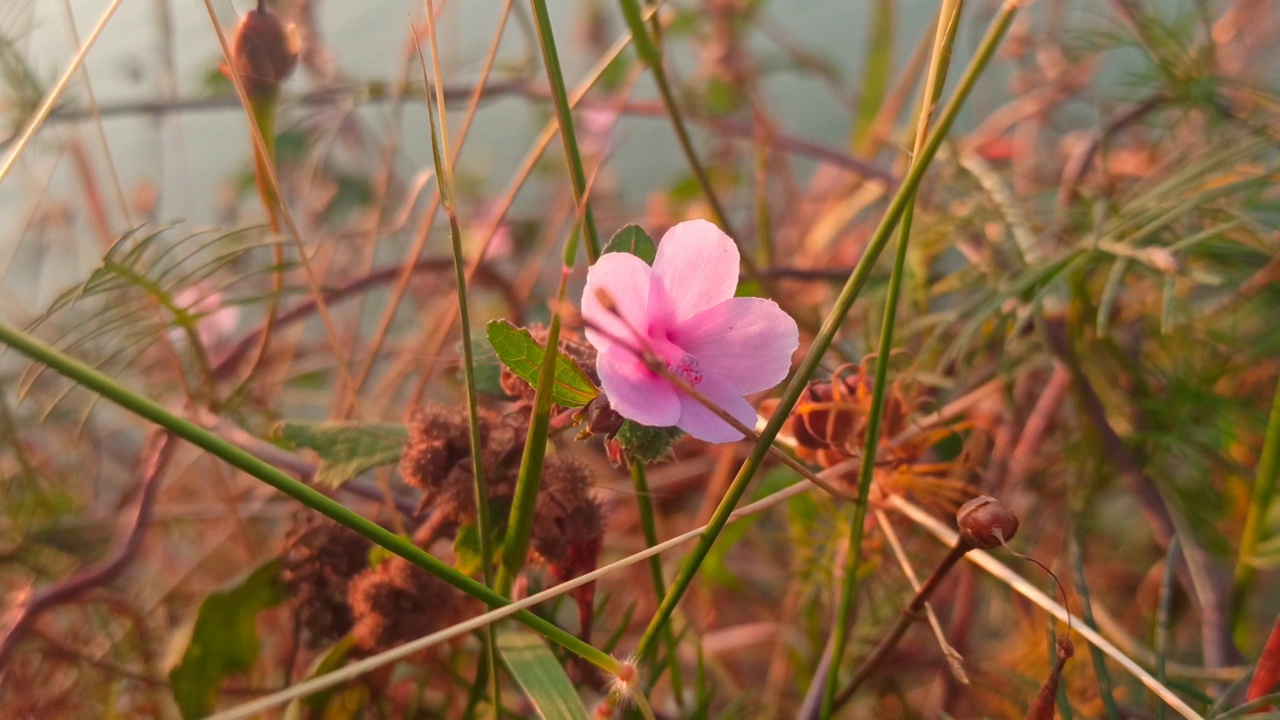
(466, 549)
(540, 675)
(224, 639)
(346, 448)
(634, 240)
(324, 703)
(522, 355)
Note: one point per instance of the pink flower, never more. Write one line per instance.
(683, 310)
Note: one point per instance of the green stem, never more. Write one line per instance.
(529, 479)
(1103, 675)
(96, 381)
(1264, 489)
(444, 181)
(649, 526)
(830, 326)
(651, 56)
(948, 20)
(569, 139)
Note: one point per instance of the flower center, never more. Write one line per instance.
(687, 368)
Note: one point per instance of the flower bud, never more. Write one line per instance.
(264, 51)
(602, 419)
(985, 522)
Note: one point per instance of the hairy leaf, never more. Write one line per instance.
(346, 448)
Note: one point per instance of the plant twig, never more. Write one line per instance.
(156, 454)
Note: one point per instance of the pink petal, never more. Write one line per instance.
(624, 278)
(703, 424)
(747, 341)
(696, 267)
(635, 392)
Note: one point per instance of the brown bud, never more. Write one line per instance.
(602, 419)
(264, 51)
(985, 522)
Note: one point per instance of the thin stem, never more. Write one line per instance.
(909, 615)
(651, 55)
(260, 146)
(1264, 489)
(144, 407)
(569, 139)
(830, 326)
(649, 526)
(944, 37)
(444, 181)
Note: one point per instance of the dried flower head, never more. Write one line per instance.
(568, 529)
(320, 559)
(396, 602)
(264, 51)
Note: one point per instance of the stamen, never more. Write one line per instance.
(687, 368)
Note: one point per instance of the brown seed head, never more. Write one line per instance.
(264, 51)
(320, 559)
(396, 602)
(985, 522)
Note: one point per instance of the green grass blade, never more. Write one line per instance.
(540, 675)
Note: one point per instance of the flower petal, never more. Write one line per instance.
(747, 341)
(624, 278)
(695, 268)
(703, 424)
(634, 391)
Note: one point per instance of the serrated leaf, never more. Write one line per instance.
(224, 639)
(634, 240)
(539, 673)
(346, 449)
(522, 355)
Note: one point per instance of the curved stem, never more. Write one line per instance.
(144, 407)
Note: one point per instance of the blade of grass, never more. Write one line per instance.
(875, 77)
(568, 138)
(1164, 612)
(444, 182)
(46, 105)
(944, 38)
(374, 345)
(1105, 683)
(144, 407)
(538, 672)
(1264, 489)
(831, 325)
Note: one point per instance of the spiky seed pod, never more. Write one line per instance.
(438, 440)
(264, 51)
(396, 602)
(320, 559)
(985, 522)
(568, 529)
(563, 499)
